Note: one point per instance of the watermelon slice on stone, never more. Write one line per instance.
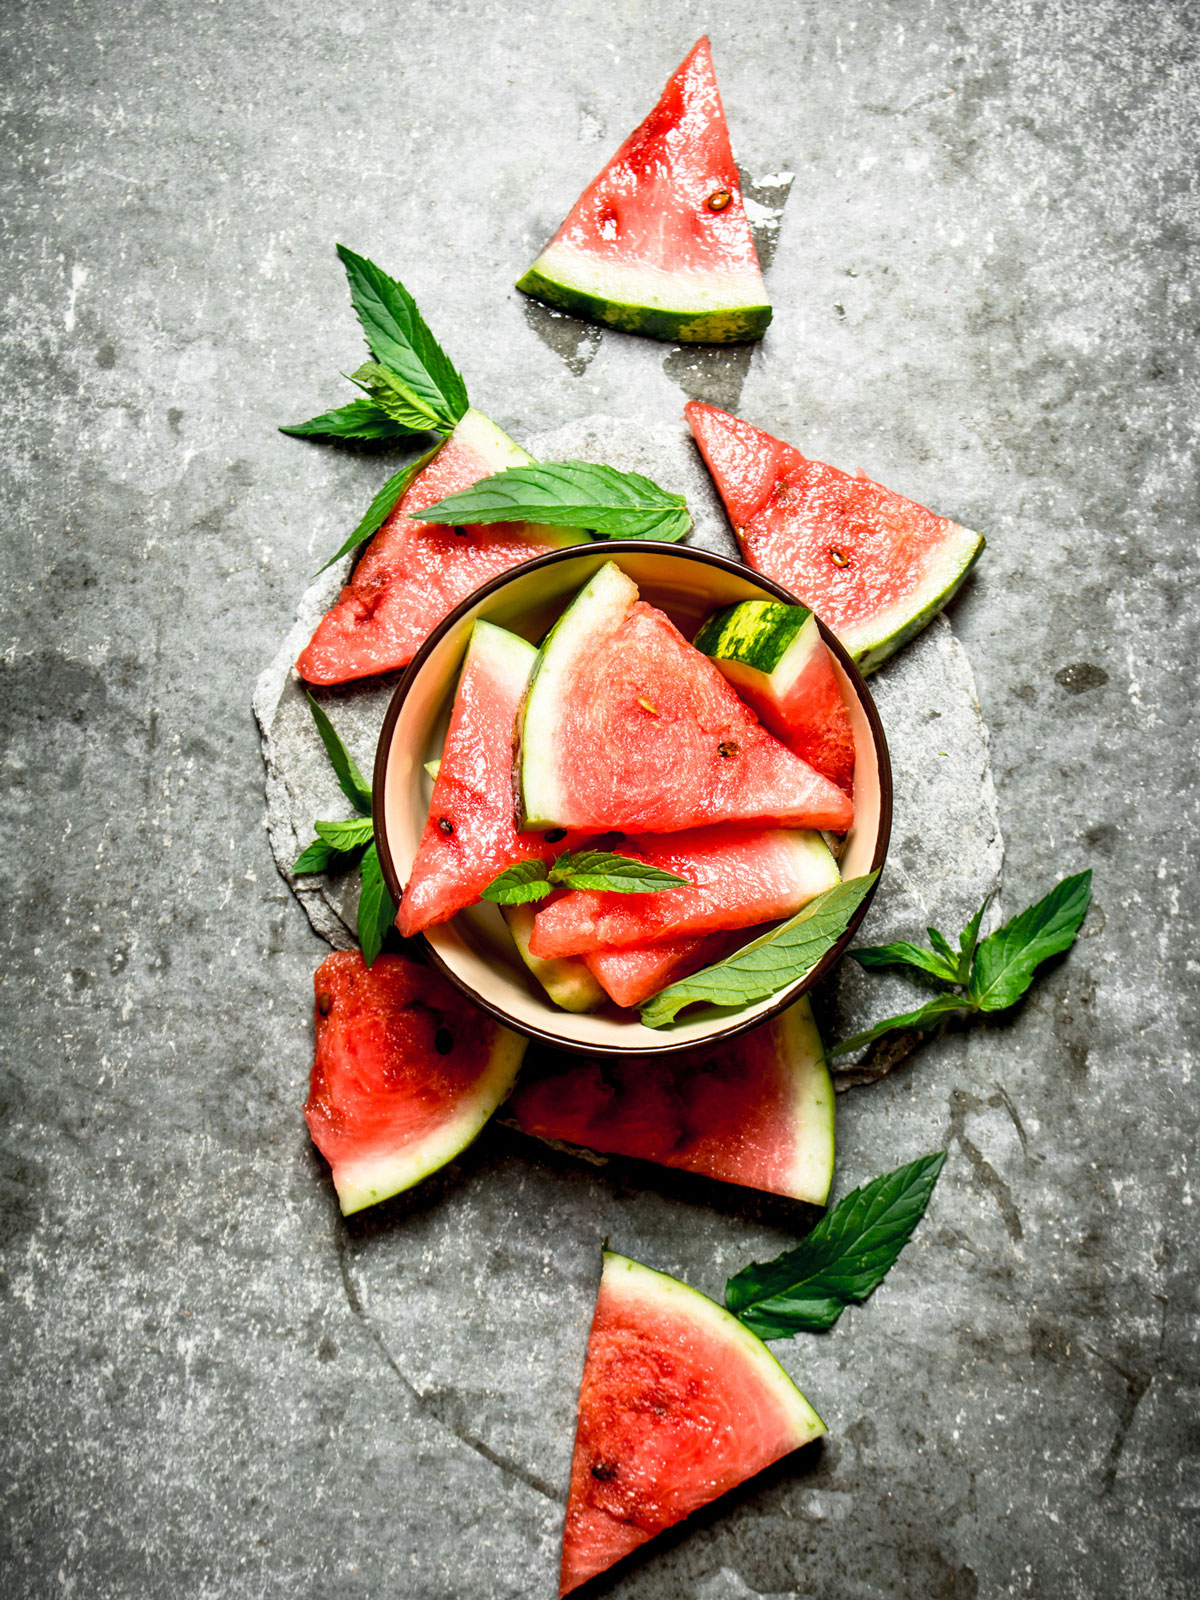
(628, 728)
(875, 567)
(471, 833)
(756, 1111)
(659, 243)
(736, 879)
(412, 574)
(406, 1072)
(679, 1404)
(632, 974)
(775, 658)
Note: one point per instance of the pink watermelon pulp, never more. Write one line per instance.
(736, 878)
(756, 1111)
(632, 974)
(627, 727)
(875, 567)
(659, 243)
(412, 574)
(405, 1073)
(471, 834)
(679, 1404)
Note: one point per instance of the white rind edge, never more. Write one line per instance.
(954, 556)
(812, 1107)
(654, 287)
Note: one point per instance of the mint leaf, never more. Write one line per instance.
(381, 508)
(602, 870)
(942, 945)
(396, 399)
(316, 857)
(351, 781)
(398, 337)
(360, 419)
(844, 1258)
(376, 908)
(903, 954)
(769, 963)
(519, 884)
(346, 835)
(1007, 959)
(570, 494)
(967, 941)
(927, 1016)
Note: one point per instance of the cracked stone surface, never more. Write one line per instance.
(984, 288)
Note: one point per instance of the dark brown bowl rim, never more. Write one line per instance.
(615, 547)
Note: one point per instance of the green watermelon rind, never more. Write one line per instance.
(679, 1298)
(657, 306)
(490, 442)
(872, 643)
(380, 1176)
(761, 642)
(566, 979)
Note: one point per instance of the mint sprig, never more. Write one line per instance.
(397, 399)
(340, 842)
(769, 963)
(601, 870)
(987, 975)
(570, 494)
(844, 1258)
(358, 419)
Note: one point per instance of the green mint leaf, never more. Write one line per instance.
(519, 884)
(346, 835)
(317, 857)
(396, 400)
(382, 506)
(570, 494)
(376, 908)
(360, 419)
(927, 1016)
(942, 945)
(903, 954)
(1006, 960)
(769, 963)
(351, 781)
(967, 941)
(844, 1258)
(398, 338)
(602, 870)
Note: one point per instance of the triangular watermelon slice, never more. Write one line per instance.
(632, 974)
(412, 574)
(471, 833)
(757, 1110)
(736, 878)
(679, 1404)
(628, 727)
(875, 567)
(659, 243)
(406, 1072)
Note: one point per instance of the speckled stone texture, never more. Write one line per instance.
(211, 1385)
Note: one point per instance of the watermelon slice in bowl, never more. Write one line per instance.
(474, 948)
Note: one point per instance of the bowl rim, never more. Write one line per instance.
(615, 547)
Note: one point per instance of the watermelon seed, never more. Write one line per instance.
(324, 1002)
(719, 200)
(646, 706)
(553, 835)
(443, 1041)
(727, 748)
(445, 826)
(460, 533)
(604, 1470)
(839, 557)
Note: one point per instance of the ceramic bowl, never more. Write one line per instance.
(474, 949)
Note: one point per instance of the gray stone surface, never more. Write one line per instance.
(213, 1386)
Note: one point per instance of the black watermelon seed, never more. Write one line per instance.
(727, 748)
(445, 826)
(443, 1041)
(553, 835)
(324, 1002)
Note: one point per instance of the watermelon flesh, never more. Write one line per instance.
(874, 566)
(569, 983)
(405, 1074)
(679, 1404)
(659, 243)
(775, 658)
(756, 1111)
(471, 835)
(736, 878)
(632, 974)
(412, 574)
(628, 728)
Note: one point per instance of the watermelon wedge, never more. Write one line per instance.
(631, 975)
(406, 1072)
(471, 834)
(679, 1404)
(875, 567)
(568, 982)
(775, 658)
(659, 243)
(412, 574)
(736, 878)
(628, 728)
(756, 1111)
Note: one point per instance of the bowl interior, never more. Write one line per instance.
(475, 946)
